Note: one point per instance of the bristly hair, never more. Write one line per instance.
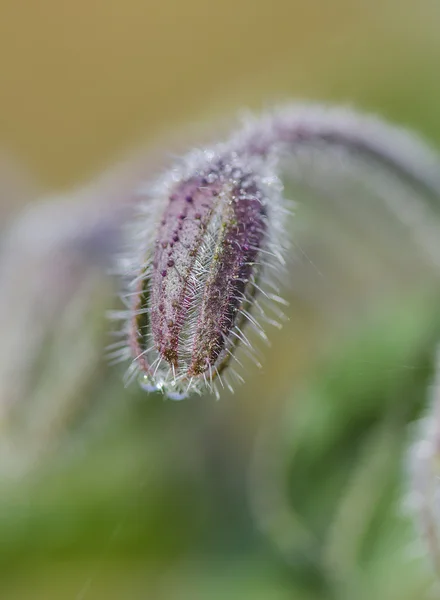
(209, 241)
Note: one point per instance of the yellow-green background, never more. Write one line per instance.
(81, 81)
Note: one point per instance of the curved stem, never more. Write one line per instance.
(368, 137)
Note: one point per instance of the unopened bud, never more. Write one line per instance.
(206, 247)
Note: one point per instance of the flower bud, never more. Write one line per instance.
(206, 248)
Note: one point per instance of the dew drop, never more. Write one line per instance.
(176, 396)
(147, 383)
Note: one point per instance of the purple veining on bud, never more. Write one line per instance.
(201, 265)
(201, 273)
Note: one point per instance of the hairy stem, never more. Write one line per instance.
(294, 127)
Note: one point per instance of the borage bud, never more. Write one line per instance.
(208, 235)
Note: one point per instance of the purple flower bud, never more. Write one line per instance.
(209, 232)
(206, 245)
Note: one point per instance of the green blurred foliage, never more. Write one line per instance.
(146, 498)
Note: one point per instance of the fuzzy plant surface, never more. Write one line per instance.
(208, 246)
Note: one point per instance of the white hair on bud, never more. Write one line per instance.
(176, 257)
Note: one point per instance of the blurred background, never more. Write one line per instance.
(294, 487)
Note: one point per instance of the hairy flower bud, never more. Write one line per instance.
(206, 245)
(210, 231)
